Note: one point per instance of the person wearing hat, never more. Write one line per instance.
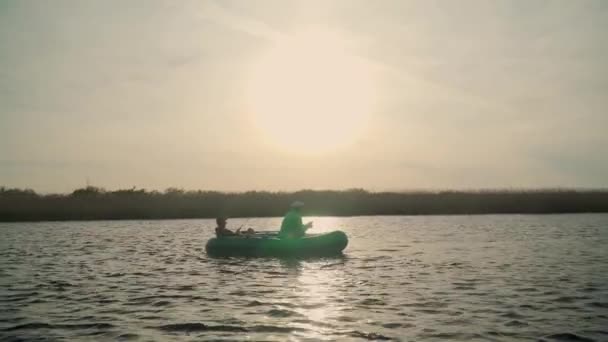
(292, 226)
(221, 229)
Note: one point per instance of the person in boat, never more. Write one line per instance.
(222, 231)
(292, 226)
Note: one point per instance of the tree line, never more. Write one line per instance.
(93, 203)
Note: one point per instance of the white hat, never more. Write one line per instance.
(297, 204)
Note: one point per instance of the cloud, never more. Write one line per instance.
(473, 93)
(215, 12)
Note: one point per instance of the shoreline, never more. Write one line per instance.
(93, 204)
(313, 216)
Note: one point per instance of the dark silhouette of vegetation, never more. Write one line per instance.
(92, 203)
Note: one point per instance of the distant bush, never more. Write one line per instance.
(93, 203)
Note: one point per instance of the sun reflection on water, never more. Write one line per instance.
(316, 296)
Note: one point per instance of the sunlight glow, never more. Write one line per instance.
(308, 95)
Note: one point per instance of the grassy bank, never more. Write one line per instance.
(93, 203)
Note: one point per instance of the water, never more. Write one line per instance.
(493, 277)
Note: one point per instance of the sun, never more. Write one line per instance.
(307, 94)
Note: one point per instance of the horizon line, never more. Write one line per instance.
(4, 188)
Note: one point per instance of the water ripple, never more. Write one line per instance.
(459, 278)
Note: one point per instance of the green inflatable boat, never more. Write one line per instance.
(270, 245)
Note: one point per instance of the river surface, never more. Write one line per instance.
(409, 278)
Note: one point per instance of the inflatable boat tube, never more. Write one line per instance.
(270, 245)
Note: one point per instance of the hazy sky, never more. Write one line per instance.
(153, 94)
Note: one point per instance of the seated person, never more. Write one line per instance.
(221, 229)
(292, 226)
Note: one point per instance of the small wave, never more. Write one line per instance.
(464, 287)
(265, 291)
(346, 319)
(10, 310)
(185, 288)
(527, 306)
(571, 299)
(603, 305)
(162, 303)
(397, 325)
(60, 285)
(282, 313)
(313, 306)
(15, 319)
(446, 336)
(121, 311)
(512, 314)
(150, 299)
(567, 337)
(428, 311)
(114, 275)
(239, 293)
(127, 337)
(141, 274)
(94, 333)
(254, 303)
(274, 329)
(86, 326)
(502, 333)
(17, 297)
(228, 272)
(39, 325)
(369, 336)
(106, 301)
(313, 322)
(516, 323)
(376, 258)
(197, 327)
(428, 304)
(372, 301)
